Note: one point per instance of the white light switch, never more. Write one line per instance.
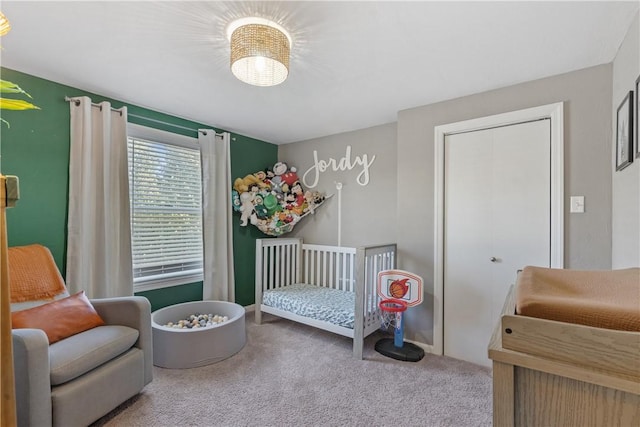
(577, 204)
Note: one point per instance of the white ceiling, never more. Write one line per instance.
(353, 64)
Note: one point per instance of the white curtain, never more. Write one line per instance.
(99, 232)
(219, 282)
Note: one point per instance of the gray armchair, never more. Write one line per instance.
(77, 380)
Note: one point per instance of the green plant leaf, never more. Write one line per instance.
(9, 87)
(16, 104)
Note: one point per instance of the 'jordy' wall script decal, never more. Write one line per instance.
(311, 176)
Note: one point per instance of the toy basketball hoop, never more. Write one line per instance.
(398, 291)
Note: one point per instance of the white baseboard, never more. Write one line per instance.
(250, 308)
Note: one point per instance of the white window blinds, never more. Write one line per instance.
(166, 215)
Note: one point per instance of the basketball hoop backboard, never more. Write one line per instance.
(401, 285)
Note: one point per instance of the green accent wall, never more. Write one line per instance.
(36, 149)
(174, 295)
(247, 156)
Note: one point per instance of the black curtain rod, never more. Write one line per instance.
(148, 119)
(77, 102)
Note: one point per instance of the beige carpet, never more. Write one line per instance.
(294, 375)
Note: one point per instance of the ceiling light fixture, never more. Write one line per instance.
(259, 51)
(5, 26)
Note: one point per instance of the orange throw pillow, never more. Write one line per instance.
(59, 319)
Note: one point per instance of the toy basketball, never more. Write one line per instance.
(399, 288)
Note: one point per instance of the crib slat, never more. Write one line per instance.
(344, 271)
(317, 267)
(278, 264)
(329, 275)
(299, 264)
(305, 267)
(320, 268)
(309, 267)
(268, 269)
(286, 279)
(344, 285)
(351, 271)
(286, 260)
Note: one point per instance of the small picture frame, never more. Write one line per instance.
(636, 123)
(624, 132)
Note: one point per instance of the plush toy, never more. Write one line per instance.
(313, 199)
(269, 173)
(270, 201)
(298, 210)
(264, 182)
(289, 198)
(277, 183)
(258, 202)
(318, 197)
(262, 225)
(235, 198)
(249, 182)
(247, 208)
(290, 177)
(296, 191)
(279, 168)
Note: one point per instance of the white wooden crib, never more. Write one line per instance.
(347, 274)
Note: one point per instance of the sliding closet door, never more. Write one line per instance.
(497, 220)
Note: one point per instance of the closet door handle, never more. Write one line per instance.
(493, 259)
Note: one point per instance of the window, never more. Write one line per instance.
(166, 215)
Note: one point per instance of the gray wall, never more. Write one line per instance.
(587, 125)
(398, 203)
(626, 183)
(368, 212)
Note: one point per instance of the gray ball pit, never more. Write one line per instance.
(190, 348)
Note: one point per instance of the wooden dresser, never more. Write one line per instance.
(548, 373)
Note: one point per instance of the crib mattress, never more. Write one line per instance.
(316, 302)
(602, 299)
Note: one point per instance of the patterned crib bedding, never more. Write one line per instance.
(316, 302)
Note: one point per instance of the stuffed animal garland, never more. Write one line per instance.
(273, 200)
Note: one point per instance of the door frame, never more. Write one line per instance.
(553, 112)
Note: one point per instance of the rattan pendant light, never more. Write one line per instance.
(259, 51)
